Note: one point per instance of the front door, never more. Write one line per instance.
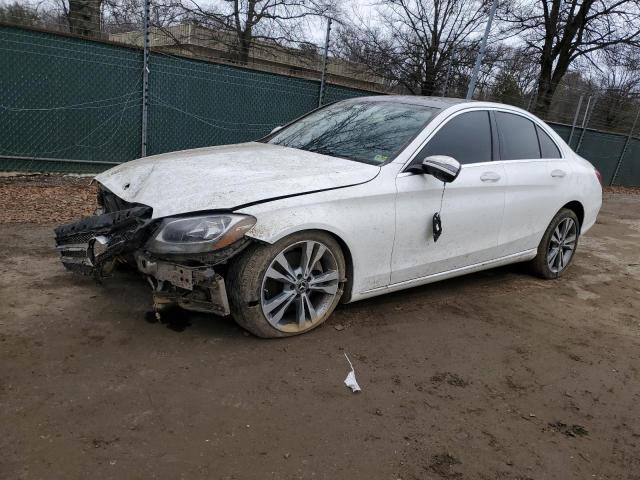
(472, 206)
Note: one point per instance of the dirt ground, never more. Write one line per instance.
(496, 375)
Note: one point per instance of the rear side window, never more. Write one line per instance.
(518, 138)
(466, 137)
(547, 147)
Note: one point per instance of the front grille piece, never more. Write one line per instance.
(124, 229)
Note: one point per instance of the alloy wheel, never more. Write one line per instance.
(300, 286)
(562, 245)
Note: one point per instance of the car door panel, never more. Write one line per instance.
(532, 182)
(528, 204)
(471, 216)
(472, 205)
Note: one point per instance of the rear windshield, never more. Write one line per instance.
(369, 132)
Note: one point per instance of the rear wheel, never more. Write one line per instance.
(289, 287)
(558, 245)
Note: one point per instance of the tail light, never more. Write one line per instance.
(599, 175)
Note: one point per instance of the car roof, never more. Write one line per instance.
(443, 103)
(436, 102)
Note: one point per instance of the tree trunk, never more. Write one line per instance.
(427, 89)
(548, 83)
(243, 49)
(544, 95)
(428, 84)
(84, 17)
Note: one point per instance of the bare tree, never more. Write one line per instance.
(563, 31)
(619, 85)
(19, 14)
(508, 74)
(412, 41)
(250, 21)
(123, 15)
(128, 15)
(50, 14)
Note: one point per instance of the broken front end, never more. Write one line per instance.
(184, 258)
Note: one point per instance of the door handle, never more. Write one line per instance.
(489, 177)
(558, 173)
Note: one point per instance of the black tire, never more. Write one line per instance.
(539, 264)
(245, 280)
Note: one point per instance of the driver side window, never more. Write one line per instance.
(466, 137)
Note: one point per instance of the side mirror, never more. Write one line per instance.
(279, 127)
(445, 169)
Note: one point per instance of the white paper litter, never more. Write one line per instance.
(350, 381)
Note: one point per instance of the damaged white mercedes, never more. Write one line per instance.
(356, 199)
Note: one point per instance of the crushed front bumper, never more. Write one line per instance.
(197, 288)
(94, 245)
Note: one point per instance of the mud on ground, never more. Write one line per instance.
(497, 375)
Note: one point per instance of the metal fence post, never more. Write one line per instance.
(585, 122)
(483, 47)
(624, 149)
(575, 119)
(324, 63)
(534, 95)
(445, 88)
(145, 77)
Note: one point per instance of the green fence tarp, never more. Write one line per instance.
(65, 98)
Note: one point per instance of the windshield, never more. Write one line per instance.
(370, 132)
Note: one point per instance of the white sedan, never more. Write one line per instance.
(356, 199)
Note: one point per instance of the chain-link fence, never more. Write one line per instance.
(73, 104)
(66, 103)
(605, 134)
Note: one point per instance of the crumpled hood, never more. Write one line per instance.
(229, 176)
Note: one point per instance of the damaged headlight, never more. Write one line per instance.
(199, 234)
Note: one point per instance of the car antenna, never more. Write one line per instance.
(437, 220)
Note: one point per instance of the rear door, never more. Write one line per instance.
(472, 206)
(559, 171)
(531, 197)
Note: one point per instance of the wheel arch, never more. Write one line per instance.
(577, 208)
(348, 261)
(344, 246)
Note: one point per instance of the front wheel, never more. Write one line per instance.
(558, 245)
(287, 288)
